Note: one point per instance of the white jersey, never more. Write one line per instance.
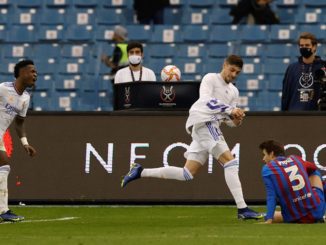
(124, 75)
(11, 104)
(216, 101)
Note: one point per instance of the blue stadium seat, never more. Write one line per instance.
(314, 3)
(58, 4)
(77, 33)
(161, 50)
(191, 51)
(213, 65)
(308, 17)
(41, 100)
(141, 33)
(172, 15)
(7, 66)
(219, 50)
(224, 33)
(7, 15)
(75, 50)
(46, 51)
(276, 66)
(194, 17)
(283, 33)
(68, 83)
(104, 33)
(255, 33)
(250, 83)
(44, 83)
(275, 82)
(110, 17)
(280, 50)
(288, 4)
(64, 101)
(25, 17)
(220, 16)
(195, 34)
(251, 50)
(21, 34)
(17, 51)
(53, 17)
(50, 33)
(286, 15)
(46, 66)
(318, 30)
(252, 66)
(72, 67)
(29, 3)
(85, 4)
(189, 65)
(201, 3)
(157, 65)
(226, 3)
(166, 34)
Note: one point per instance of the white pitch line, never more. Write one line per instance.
(42, 220)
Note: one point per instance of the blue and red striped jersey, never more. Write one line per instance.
(287, 181)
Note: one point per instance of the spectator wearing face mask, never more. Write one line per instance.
(135, 72)
(301, 91)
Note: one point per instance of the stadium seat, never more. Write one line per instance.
(161, 50)
(195, 17)
(172, 15)
(104, 33)
(314, 3)
(64, 101)
(21, 34)
(17, 51)
(72, 67)
(220, 16)
(213, 65)
(308, 17)
(53, 17)
(251, 50)
(50, 33)
(25, 17)
(116, 4)
(195, 34)
(44, 83)
(224, 33)
(110, 17)
(141, 33)
(41, 100)
(191, 51)
(75, 50)
(157, 65)
(58, 4)
(80, 17)
(201, 4)
(252, 66)
(219, 50)
(226, 3)
(318, 30)
(46, 66)
(288, 4)
(280, 50)
(45, 51)
(254, 34)
(189, 65)
(77, 33)
(276, 66)
(166, 34)
(250, 83)
(283, 33)
(85, 4)
(68, 83)
(29, 3)
(7, 66)
(275, 82)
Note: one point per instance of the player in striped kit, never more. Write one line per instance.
(14, 102)
(217, 104)
(295, 183)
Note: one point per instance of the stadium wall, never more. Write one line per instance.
(81, 157)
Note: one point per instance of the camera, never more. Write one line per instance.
(320, 77)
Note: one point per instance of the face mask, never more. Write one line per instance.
(306, 52)
(134, 59)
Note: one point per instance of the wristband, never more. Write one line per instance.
(24, 140)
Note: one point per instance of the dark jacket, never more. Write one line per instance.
(147, 8)
(298, 82)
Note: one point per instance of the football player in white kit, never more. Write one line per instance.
(217, 104)
(14, 102)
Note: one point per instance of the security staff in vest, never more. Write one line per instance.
(119, 58)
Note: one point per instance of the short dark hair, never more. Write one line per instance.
(273, 146)
(132, 45)
(234, 60)
(21, 64)
(308, 35)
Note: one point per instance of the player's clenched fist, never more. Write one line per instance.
(238, 113)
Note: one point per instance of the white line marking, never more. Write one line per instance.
(42, 220)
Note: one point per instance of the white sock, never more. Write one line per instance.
(169, 172)
(4, 172)
(231, 174)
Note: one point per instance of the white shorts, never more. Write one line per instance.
(207, 138)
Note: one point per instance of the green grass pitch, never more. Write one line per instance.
(150, 225)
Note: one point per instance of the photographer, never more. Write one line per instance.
(301, 91)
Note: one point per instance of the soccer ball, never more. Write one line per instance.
(170, 73)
